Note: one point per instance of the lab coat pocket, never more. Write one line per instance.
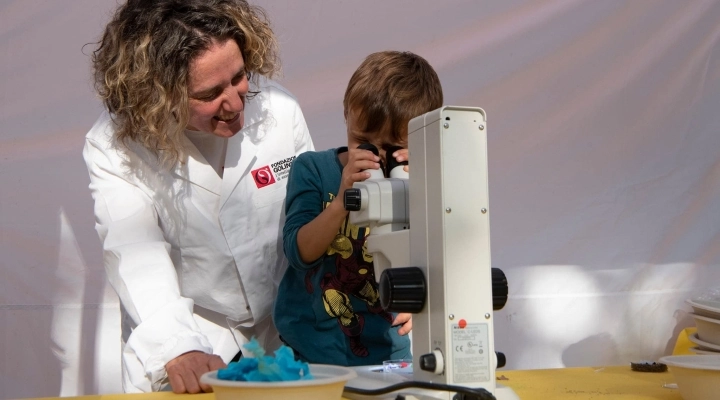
(267, 196)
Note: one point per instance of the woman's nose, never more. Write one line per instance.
(235, 100)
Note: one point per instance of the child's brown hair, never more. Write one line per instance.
(389, 89)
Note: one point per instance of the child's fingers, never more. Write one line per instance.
(360, 165)
(401, 155)
(401, 318)
(351, 178)
(362, 159)
(359, 176)
(405, 320)
(361, 154)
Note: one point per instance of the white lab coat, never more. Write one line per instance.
(195, 259)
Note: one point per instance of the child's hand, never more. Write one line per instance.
(358, 161)
(402, 155)
(404, 319)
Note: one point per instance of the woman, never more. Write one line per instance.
(188, 168)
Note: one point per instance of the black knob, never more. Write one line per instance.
(403, 290)
(428, 362)
(501, 359)
(352, 199)
(499, 288)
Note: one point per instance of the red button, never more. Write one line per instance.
(462, 324)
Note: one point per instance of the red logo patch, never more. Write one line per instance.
(263, 176)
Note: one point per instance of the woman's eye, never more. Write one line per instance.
(207, 97)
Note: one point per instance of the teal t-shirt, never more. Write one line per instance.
(329, 311)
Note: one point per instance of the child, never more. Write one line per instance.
(328, 309)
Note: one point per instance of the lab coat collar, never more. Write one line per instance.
(239, 158)
(242, 149)
(253, 109)
(197, 170)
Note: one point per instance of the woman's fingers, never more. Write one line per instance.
(185, 370)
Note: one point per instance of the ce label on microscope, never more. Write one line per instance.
(470, 358)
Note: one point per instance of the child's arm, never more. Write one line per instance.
(314, 237)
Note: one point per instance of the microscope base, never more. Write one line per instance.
(373, 377)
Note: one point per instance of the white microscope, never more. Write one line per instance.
(430, 240)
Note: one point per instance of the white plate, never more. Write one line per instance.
(700, 350)
(712, 302)
(705, 308)
(703, 344)
(711, 362)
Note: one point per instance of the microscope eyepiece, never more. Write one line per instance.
(374, 173)
(391, 163)
(371, 147)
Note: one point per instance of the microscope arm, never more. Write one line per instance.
(436, 229)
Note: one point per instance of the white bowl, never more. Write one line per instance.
(697, 377)
(706, 308)
(328, 384)
(708, 329)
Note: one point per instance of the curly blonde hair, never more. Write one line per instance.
(142, 62)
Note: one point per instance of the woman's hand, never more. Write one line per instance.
(185, 370)
(404, 319)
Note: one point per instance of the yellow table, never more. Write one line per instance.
(542, 384)
(619, 383)
(683, 343)
(585, 383)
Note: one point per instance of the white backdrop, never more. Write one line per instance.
(604, 120)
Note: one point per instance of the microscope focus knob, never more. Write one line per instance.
(428, 362)
(501, 360)
(403, 290)
(432, 362)
(352, 199)
(499, 288)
